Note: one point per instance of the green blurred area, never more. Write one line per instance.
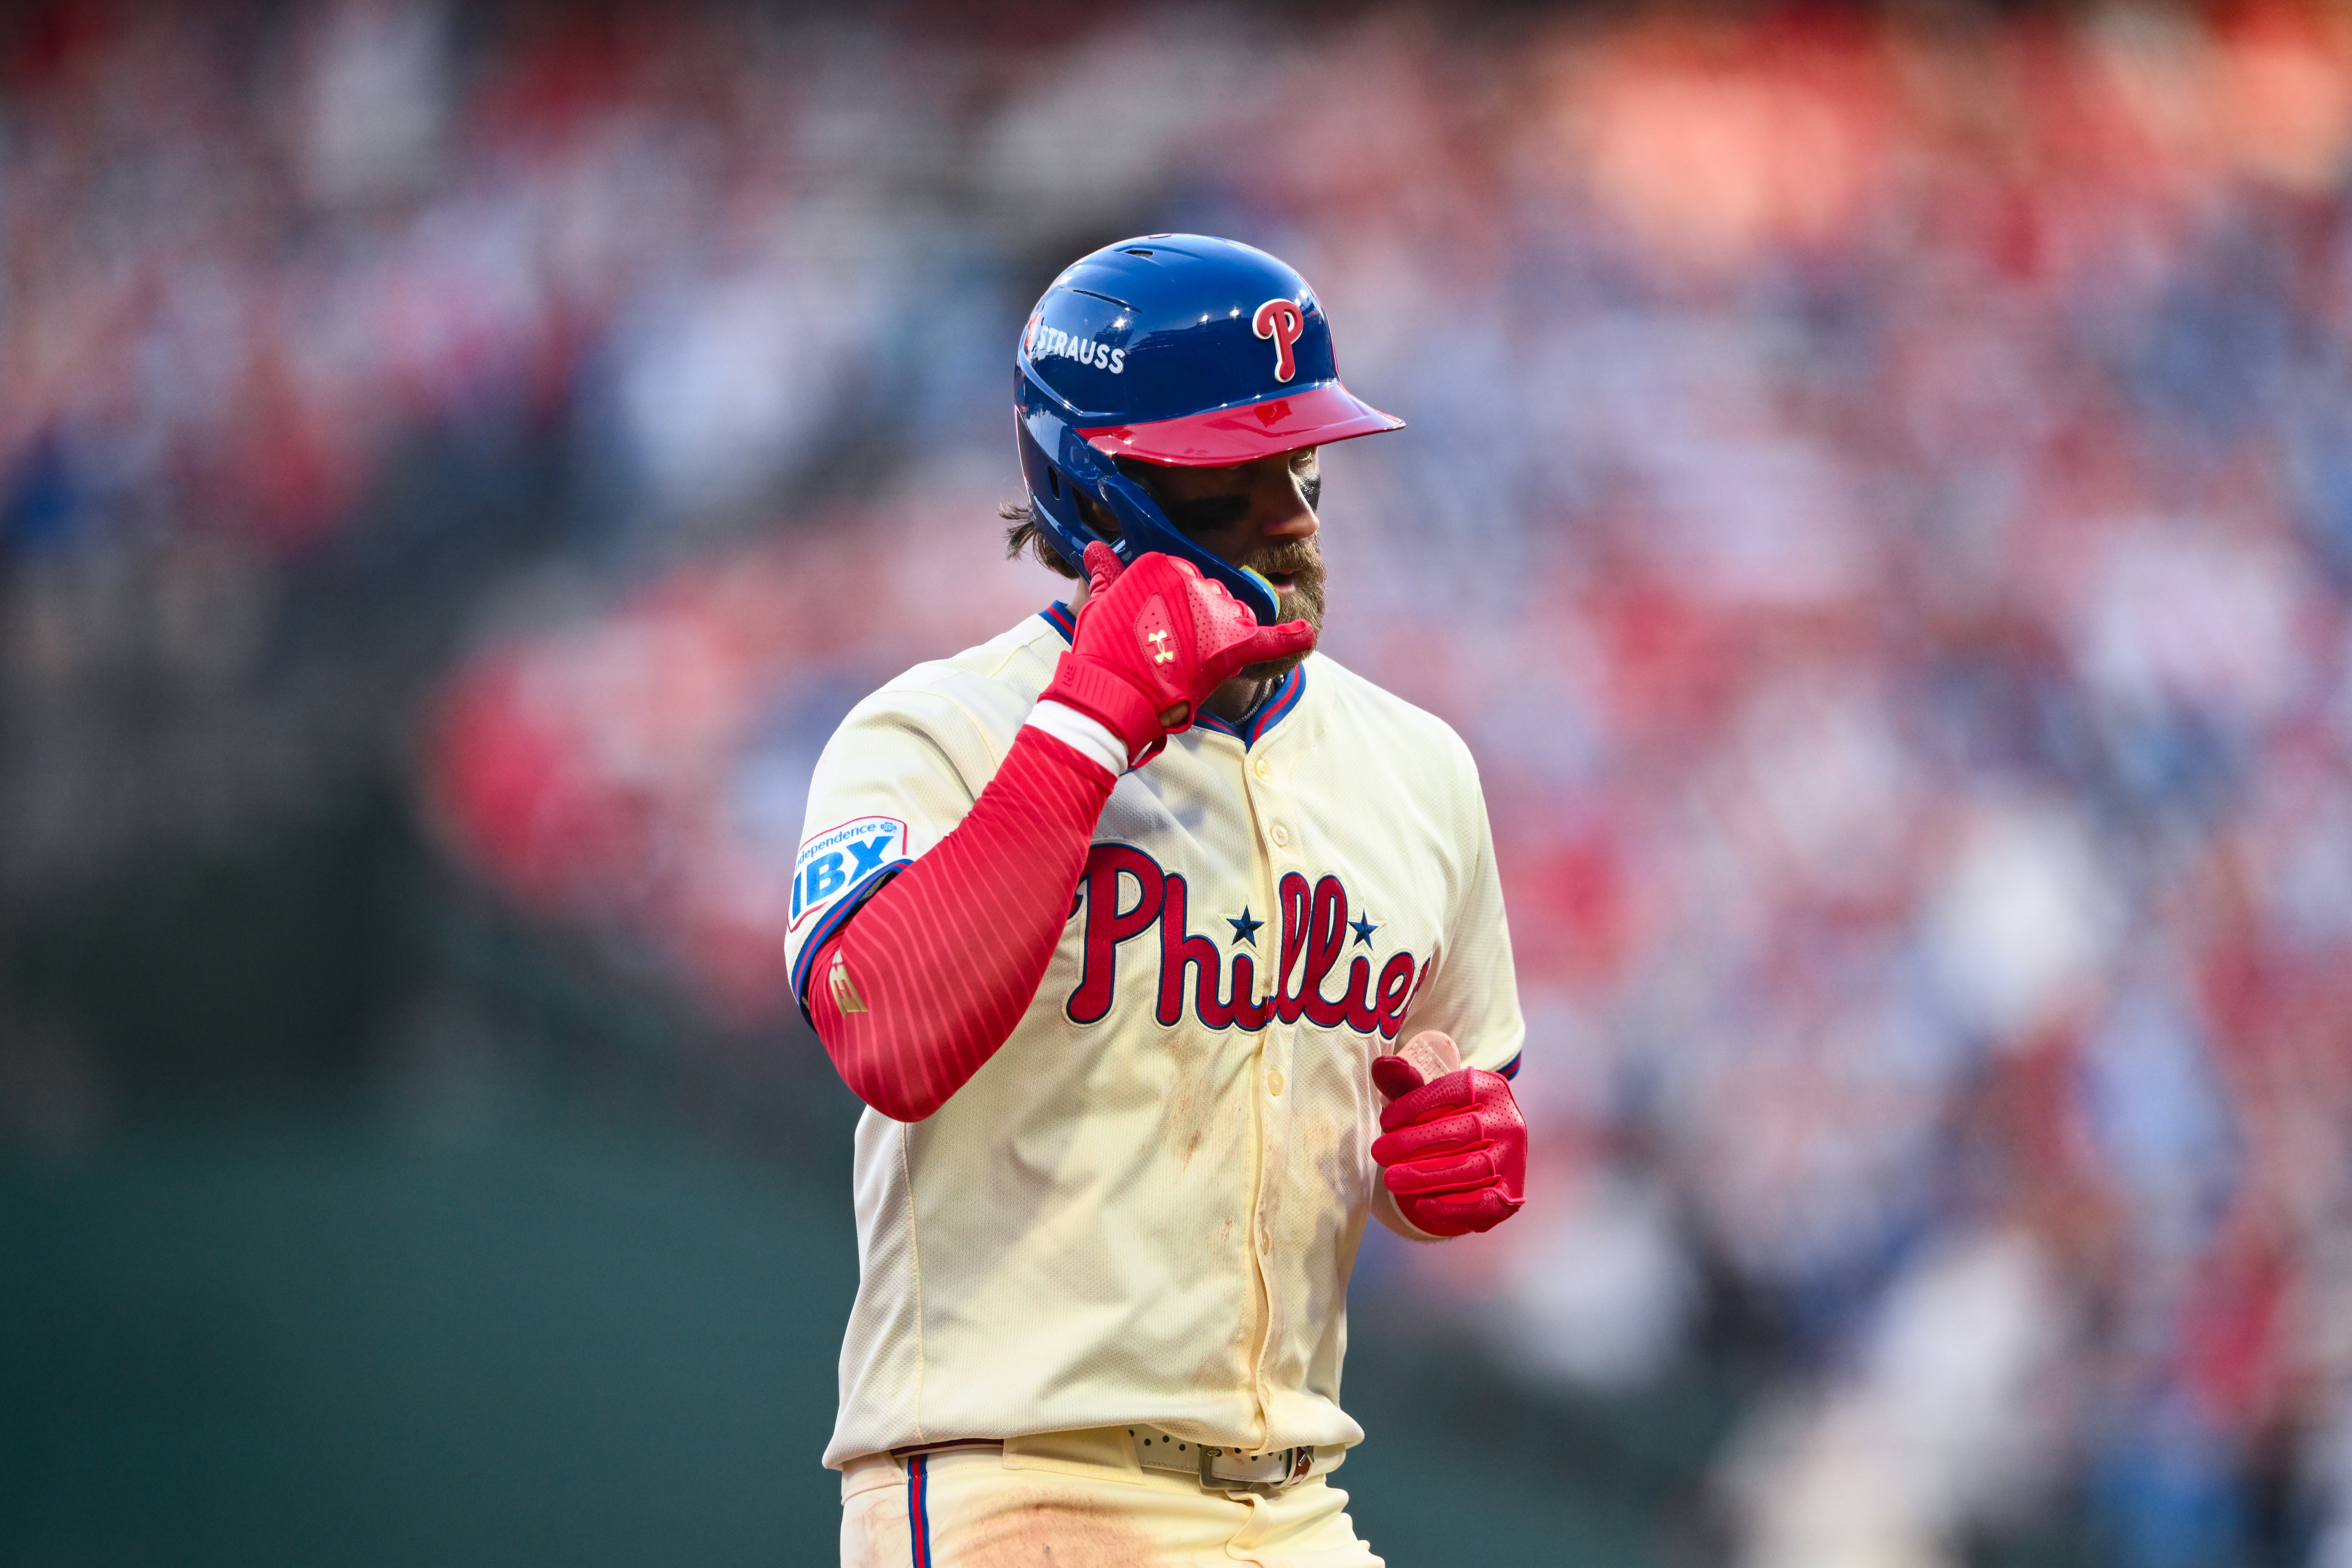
(347, 1221)
(308, 1343)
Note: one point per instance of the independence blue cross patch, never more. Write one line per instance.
(839, 860)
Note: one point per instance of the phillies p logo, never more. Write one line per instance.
(1281, 321)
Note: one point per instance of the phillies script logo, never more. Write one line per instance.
(1283, 321)
(1316, 931)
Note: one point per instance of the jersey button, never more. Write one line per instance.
(1273, 1083)
(1280, 835)
(1261, 770)
(1264, 1240)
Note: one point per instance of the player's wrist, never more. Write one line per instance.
(1089, 736)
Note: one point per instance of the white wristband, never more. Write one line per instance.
(1090, 738)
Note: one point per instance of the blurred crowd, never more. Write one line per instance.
(1877, 500)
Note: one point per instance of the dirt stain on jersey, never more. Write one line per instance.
(1336, 1152)
(1186, 1117)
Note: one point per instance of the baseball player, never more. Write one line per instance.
(1116, 923)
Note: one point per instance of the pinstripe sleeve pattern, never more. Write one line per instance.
(913, 995)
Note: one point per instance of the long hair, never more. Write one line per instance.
(1021, 535)
(1022, 532)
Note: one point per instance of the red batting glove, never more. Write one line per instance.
(1454, 1152)
(1156, 639)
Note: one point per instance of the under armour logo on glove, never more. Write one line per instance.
(1453, 1148)
(1153, 641)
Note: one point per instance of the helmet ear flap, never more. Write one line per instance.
(1054, 492)
(1059, 464)
(1144, 527)
(1053, 500)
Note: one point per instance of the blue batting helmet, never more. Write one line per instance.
(1177, 348)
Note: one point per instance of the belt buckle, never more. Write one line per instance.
(1296, 1463)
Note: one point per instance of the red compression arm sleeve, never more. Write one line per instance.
(918, 991)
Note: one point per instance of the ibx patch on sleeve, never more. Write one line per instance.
(840, 859)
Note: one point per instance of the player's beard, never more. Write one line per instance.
(1303, 601)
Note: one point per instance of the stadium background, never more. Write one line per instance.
(1878, 502)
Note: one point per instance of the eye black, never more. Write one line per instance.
(1210, 514)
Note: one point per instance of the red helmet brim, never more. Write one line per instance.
(1314, 416)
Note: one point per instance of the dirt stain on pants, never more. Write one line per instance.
(1043, 1530)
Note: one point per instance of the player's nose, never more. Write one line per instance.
(1282, 511)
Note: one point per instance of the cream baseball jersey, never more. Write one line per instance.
(1144, 1208)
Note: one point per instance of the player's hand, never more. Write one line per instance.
(1152, 641)
(1452, 1145)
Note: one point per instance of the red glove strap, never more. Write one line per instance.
(1455, 1152)
(918, 990)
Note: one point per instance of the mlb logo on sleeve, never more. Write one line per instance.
(839, 860)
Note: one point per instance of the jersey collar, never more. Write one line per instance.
(1264, 716)
(1277, 706)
